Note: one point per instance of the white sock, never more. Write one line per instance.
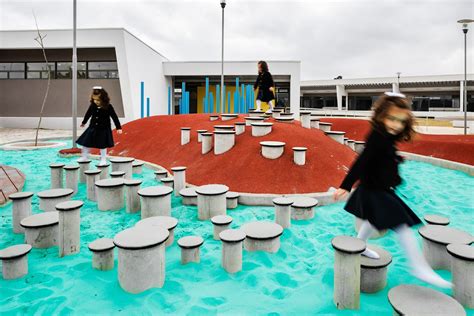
(270, 105)
(366, 229)
(103, 154)
(420, 268)
(84, 153)
(259, 105)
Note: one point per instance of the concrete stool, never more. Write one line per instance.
(137, 166)
(223, 127)
(69, 236)
(168, 182)
(410, 299)
(376, 234)
(179, 176)
(373, 272)
(104, 170)
(49, 198)
(200, 132)
(264, 236)
(261, 128)
(350, 144)
(72, 177)
(223, 141)
(15, 261)
(462, 269)
(232, 249)
(102, 254)
(239, 128)
(21, 209)
(185, 135)
(132, 199)
(91, 177)
(189, 196)
(256, 113)
(117, 174)
(190, 249)
(435, 240)
(359, 146)
(346, 140)
(83, 166)
(212, 200)
(305, 118)
(303, 208)
(299, 155)
(337, 136)
(41, 230)
(251, 119)
(123, 164)
(166, 222)
(232, 200)
(276, 113)
(213, 117)
(433, 219)
(229, 116)
(324, 126)
(56, 175)
(141, 258)
(347, 271)
(110, 195)
(314, 122)
(160, 174)
(272, 149)
(155, 201)
(286, 114)
(285, 119)
(221, 223)
(206, 143)
(283, 211)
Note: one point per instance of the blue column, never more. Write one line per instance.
(218, 98)
(211, 102)
(142, 98)
(183, 98)
(179, 105)
(206, 104)
(147, 106)
(223, 100)
(242, 99)
(169, 100)
(228, 102)
(187, 102)
(237, 102)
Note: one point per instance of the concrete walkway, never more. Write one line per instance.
(8, 135)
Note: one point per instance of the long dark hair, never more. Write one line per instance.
(264, 66)
(103, 96)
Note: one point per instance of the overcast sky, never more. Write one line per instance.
(352, 38)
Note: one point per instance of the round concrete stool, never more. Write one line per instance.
(285, 119)
(137, 166)
(185, 135)
(41, 230)
(376, 234)
(72, 177)
(223, 127)
(410, 299)
(117, 174)
(141, 258)
(435, 240)
(351, 144)
(232, 199)
(359, 146)
(110, 196)
(305, 118)
(221, 223)
(166, 222)
(206, 143)
(314, 122)
(104, 170)
(346, 140)
(168, 182)
(160, 174)
(287, 114)
(337, 136)
(189, 196)
(261, 128)
(229, 116)
(56, 175)
(102, 254)
(264, 236)
(276, 113)
(373, 272)
(179, 176)
(223, 141)
(155, 201)
(303, 208)
(49, 198)
(256, 113)
(347, 271)
(299, 155)
(324, 126)
(232, 249)
(21, 209)
(15, 261)
(83, 166)
(283, 211)
(433, 219)
(123, 164)
(239, 128)
(132, 199)
(462, 269)
(272, 149)
(91, 177)
(199, 133)
(69, 236)
(212, 200)
(190, 249)
(252, 119)
(213, 117)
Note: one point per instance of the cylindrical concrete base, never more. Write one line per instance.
(267, 245)
(15, 268)
(110, 199)
(305, 120)
(299, 156)
(206, 143)
(83, 166)
(132, 201)
(72, 179)
(283, 215)
(232, 256)
(56, 176)
(103, 260)
(436, 255)
(42, 237)
(21, 209)
(179, 176)
(91, 179)
(69, 237)
(104, 171)
(223, 141)
(155, 206)
(373, 280)
(347, 280)
(239, 129)
(463, 279)
(185, 135)
(298, 213)
(211, 205)
(190, 255)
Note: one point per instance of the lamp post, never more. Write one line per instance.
(222, 59)
(74, 76)
(465, 28)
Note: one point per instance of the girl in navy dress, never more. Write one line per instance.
(264, 83)
(376, 168)
(99, 133)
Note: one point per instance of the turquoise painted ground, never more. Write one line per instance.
(296, 280)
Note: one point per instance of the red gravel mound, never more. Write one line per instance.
(243, 169)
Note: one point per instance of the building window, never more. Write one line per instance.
(64, 70)
(102, 70)
(40, 70)
(12, 70)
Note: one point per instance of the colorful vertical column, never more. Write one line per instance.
(223, 101)
(206, 103)
(147, 106)
(211, 102)
(183, 98)
(228, 102)
(218, 98)
(237, 96)
(242, 99)
(169, 100)
(142, 98)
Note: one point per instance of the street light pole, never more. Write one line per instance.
(222, 59)
(465, 28)
(74, 77)
(398, 81)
